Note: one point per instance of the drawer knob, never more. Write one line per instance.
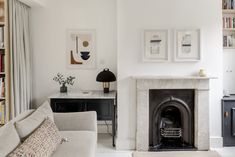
(226, 114)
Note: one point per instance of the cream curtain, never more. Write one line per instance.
(19, 57)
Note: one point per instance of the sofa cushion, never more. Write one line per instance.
(79, 144)
(9, 139)
(22, 116)
(26, 126)
(82, 121)
(42, 143)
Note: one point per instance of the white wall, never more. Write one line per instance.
(49, 25)
(136, 15)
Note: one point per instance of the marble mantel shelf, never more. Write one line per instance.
(152, 77)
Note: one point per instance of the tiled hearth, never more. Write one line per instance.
(200, 85)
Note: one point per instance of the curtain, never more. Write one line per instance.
(20, 59)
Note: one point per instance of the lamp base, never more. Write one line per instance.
(106, 90)
(106, 86)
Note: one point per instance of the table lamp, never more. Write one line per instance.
(106, 77)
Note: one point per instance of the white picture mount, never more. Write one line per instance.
(187, 45)
(155, 45)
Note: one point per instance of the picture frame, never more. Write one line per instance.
(187, 45)
(81, 49)
(156, 45)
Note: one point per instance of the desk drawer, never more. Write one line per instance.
(103, 107)
(64, 105)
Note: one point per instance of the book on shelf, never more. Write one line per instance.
(229, 41)
(2, 87)
(2, 37)
(228, 4)
(2, 62)
(2, 112)
(228, 22)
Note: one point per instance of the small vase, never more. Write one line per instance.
(63, 89)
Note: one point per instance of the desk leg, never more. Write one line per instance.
(114, 123)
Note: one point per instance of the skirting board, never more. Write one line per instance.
(125, 144)
(216, 142)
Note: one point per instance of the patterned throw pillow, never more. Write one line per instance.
(42, 143)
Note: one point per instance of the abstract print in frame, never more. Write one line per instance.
(156, 45)
(81, 49)
(187, 45)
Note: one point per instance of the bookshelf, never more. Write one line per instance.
(227, 47)
(229, 29)
(228, 13)
(4, 64)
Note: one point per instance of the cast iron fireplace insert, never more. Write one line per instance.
(171, 119)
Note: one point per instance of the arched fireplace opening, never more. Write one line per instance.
(171, 120)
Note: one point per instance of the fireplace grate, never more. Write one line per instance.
(171, 132)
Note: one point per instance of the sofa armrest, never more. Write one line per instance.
(79, 121)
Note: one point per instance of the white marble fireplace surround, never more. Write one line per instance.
(201, 87)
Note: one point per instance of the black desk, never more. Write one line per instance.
(103, 104)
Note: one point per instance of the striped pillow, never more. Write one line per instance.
(41, 143)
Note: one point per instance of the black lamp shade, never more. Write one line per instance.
(106, 76)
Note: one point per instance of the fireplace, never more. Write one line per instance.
(172, 113)
(171, 119)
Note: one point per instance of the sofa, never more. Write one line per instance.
(78, 130)
(81, 131)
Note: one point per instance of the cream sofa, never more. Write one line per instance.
(80, 130)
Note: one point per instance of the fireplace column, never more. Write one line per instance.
(142, 134)
(202, 119)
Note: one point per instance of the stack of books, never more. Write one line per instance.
(229, 41)
(228, 4)
(228, 22)
(2, 112)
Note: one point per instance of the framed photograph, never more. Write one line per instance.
(187, 45)
(81, 49)
(156, 45)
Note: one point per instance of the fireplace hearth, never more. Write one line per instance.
(171, 119)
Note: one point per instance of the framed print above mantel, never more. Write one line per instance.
(81, 49)
(187, 45)
(156, 45)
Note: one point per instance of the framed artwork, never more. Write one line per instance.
(81, 49)
(156, 45)
(187, 45)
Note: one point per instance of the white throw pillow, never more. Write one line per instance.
(26, 126)
(9, 139)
